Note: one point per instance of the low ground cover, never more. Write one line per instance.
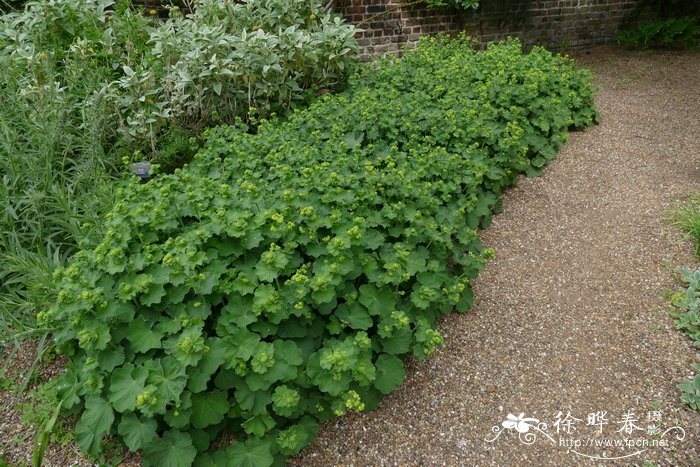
(283, 276)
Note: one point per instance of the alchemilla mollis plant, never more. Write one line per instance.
(283, 276)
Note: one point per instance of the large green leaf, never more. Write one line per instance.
(209, 408)
(355, 315)
(259, 425)
(125, 384)
(110, 358)
(466, 300)
(200, 375)
(416, 262)
(237, 313)
(174, 449)
(250, 453)
(96, 421)
(378, 301)
(390, 373)
(153, 295)
(118, 312)
(141, 337)
(399, 342)
(135, 432)
(240, 345)
(179, 416)
(168, 376)
(212, 459)
(251, 401)
(68, 388)
(202, 438)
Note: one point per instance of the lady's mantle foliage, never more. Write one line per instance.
(283, 276)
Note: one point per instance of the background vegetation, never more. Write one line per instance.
(89, 86)
(674, 24)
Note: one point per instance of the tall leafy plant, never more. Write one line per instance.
(54, 159)
(228, 57)
(89, 86)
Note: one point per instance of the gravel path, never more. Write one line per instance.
(569, 315)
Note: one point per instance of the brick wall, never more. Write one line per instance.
(553, 23)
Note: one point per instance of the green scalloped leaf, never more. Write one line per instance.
(251, 401)
(209, 408)
(141, 337)
(390, 373)
(355, 315)
(154, 295)
(135, 432)
(250, 453)
(259, 425)
(174, 449)
(168, 376)
(125, 384)
(179, 416)
(94, 424)
(200, 375)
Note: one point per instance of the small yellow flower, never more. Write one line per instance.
(153, 12)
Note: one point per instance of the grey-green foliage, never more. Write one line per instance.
(691, 391)
(687, 315)
(228, 57)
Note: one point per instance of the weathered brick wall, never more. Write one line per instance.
(559, 24)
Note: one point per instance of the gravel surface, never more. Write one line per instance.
(569, 317)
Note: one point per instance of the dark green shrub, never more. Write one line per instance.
(459, 4)
(672, 33)
(283, 277)
(665, 9)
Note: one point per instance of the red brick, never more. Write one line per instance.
(548, 22)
